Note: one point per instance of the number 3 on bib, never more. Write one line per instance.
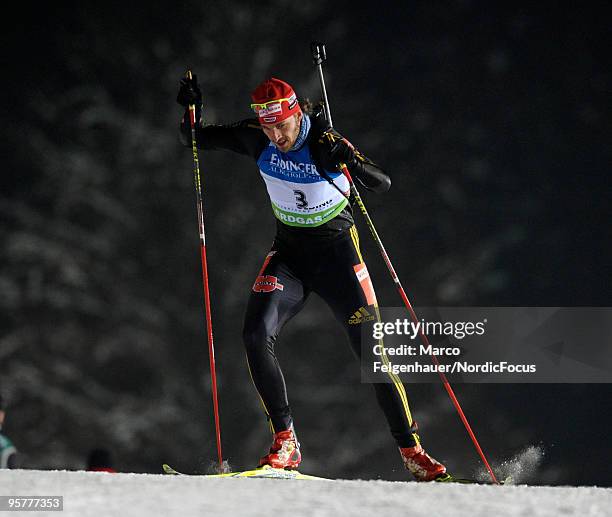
(300, 198)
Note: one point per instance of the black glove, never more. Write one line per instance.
(342, 151)
(189, 92)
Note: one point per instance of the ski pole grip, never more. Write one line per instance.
(192, 108)
(318, 52)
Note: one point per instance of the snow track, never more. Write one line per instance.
(123, 495)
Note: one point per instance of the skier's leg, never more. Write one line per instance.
(277, 295)
(344, 283)
(346, 287)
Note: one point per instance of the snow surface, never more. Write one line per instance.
(101, 494)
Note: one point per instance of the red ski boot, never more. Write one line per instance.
(422, 466)
(284, 452)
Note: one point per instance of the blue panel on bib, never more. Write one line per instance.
(294, 166)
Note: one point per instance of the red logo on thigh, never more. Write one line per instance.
(266, 284)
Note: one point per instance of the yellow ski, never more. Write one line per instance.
(262, 472)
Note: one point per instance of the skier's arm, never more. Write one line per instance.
(365, 171)
(370, 175)
(243, 137)
(333, 149)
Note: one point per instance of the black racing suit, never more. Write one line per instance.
(323, 259)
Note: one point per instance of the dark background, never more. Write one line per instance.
(493, 122)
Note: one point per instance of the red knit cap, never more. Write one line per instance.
(268, 111)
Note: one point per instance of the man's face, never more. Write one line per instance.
(284, 134)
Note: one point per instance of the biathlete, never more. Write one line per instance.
(316, 249)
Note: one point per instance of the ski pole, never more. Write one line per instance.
(211, 347)
(319, 55)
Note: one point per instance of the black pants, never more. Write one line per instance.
(334, 269)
